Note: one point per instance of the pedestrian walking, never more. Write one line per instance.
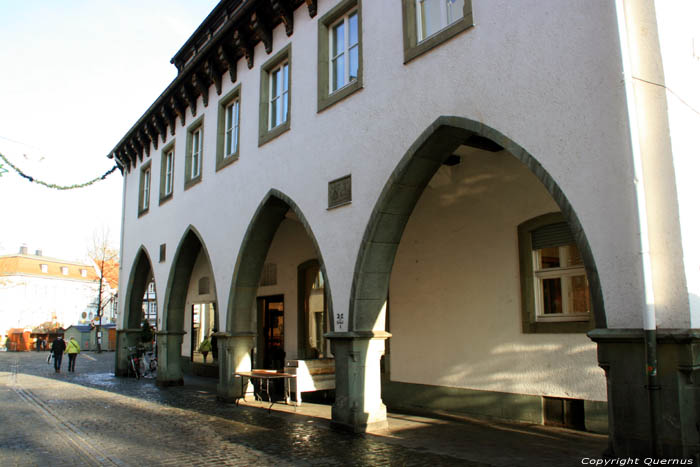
(57, 348)
(72, 349)
(214, 346)
(205, 348)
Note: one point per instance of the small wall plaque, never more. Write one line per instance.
(161, 258)
(340, 192)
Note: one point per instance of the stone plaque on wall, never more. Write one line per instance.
(340, 192)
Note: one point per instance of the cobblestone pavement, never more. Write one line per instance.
(93, 418)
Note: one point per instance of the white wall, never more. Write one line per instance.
(455, 303)
(546, 74)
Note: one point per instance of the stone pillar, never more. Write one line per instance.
(358, 388)
(621, 353)
(234, 355)
(125, 338)
(169, 366)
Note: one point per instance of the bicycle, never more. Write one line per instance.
(134, 362)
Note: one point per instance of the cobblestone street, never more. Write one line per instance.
(93, 418)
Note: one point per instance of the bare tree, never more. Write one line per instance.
(106, 261)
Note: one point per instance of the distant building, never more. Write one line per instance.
(36, 289)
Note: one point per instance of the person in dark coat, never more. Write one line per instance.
(214, 346)
(57, 348)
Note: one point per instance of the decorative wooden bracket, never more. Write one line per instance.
(178, 106)
(153, 132)
(214, 73)
(242, 43)
(228, 57)
(136, 146)
(262, 30)
(312, 4)
(190, 97)
(144, 140)
(201, 83)
(281, 8)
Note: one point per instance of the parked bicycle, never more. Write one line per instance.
(134, 361)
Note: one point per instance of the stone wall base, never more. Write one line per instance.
(622, 354)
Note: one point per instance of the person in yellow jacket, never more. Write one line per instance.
(205, 348)
(72, 349)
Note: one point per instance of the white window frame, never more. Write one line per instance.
(64, 270)
(445, 21)
(169, 159)
(44, 268)
(146, 189)
(83, 272)
(232, 114)
(345, 20)
(541, 274)
(282, 68)
(196, 152)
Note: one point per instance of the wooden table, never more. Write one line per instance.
(265, 376)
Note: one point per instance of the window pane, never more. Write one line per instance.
(573, 256)
(549, 258)
(352, 30)
(285, 85)
(274, 92)
(285, 106)
(338, 39)
(551, 296)
(430, 17)
(354, 62)
(455, 10)
(580, 299)
(338, 72)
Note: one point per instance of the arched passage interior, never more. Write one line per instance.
(280, 298)
(443, 268)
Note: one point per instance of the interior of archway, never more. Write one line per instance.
(455, 304)
(192, 308)
(142, 296)
(291, 311)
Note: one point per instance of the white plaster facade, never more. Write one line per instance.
(555, 79)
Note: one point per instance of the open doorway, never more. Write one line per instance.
(270, 345)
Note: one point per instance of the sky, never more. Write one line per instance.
(74, 77)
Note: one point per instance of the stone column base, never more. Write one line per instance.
(621, 353)
(358, 401)
(169, 349)
(125, 338)
(234, 355)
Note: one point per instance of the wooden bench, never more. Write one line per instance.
(311, 375)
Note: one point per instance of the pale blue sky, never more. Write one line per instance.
(74, 77)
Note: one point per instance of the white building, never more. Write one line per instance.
(36, 289)
(439, 200)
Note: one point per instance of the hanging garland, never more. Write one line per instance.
(52, 185)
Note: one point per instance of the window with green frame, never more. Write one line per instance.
(144, 189)
(554, 284)
(275, 95)
(167, 172)
(194, 153)
(228, 128)
(339, 53)
(429, 23)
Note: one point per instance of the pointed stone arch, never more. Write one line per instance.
(238, 339)
(172, 323)
(141, 271)
(401, 193)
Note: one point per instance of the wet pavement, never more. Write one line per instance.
(94, 418)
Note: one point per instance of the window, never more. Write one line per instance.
(428, 23)
(195, 151)
(145, 189)
(279, 96)
(64, 270)
(339, 53)
(44, 267)
(228, 128)
(313, 316)
(555, 290)
(275, 86)
(167, 168)
(83, 272)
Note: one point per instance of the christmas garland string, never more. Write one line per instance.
(53, 185)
